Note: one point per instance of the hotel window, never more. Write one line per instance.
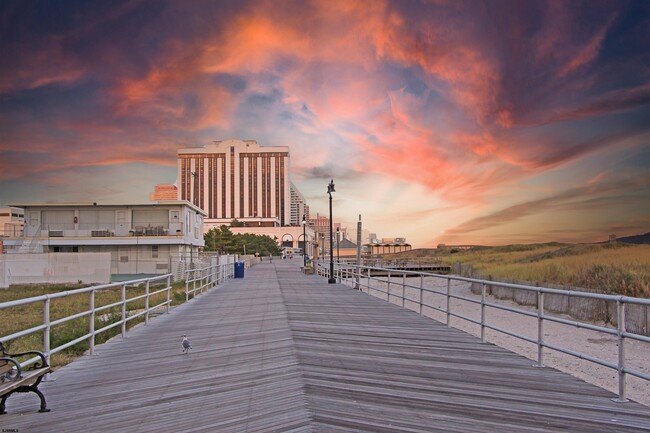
(154, 251)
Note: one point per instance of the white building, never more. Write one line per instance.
(142, 239)
(299, 207)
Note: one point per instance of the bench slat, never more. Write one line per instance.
(28, 377)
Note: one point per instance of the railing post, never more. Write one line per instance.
(358, 277)
(483, 312)
(194, 283)
(403, 289)
(123, 310)
(368, 281)
(388, 289)
(46, 331)
(621, 351)
(146, 304)
(421, 291)
(540, 328)
(187, 286)
(169, 289)
(91, 320)
(448, 302)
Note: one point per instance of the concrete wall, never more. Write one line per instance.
(54, 268)
(637, 317)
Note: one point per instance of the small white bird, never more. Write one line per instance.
(186, 344)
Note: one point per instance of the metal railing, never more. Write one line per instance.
(202, 280)
(354, 276)
(206, 279)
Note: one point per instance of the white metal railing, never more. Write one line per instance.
(207, 278)
(356, 276)
(204, 279)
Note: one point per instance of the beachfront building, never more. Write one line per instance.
(321, 225)
(164, 192)
(142, 239)
(299, 207)
(237, 179)
(12, 221)
(387, 246)
(345, 248)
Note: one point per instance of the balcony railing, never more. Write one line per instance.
(57, 230)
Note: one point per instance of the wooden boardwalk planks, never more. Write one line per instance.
(281, 351)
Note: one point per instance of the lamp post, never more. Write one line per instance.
(330, 190)
(304, 241)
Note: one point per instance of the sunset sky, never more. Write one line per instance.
(452, 122)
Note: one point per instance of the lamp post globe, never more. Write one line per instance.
(330, 190)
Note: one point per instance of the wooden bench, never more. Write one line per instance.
(14, 379)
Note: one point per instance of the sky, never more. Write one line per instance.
(478, 122)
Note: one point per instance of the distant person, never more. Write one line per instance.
(270, 257)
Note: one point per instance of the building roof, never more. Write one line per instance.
(387, 244)
(346, 243)
(91, 204)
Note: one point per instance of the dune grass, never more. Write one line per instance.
(613, 268)
(15, 319)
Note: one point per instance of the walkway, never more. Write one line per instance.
(281, 351)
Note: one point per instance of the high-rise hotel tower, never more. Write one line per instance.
(235, 179)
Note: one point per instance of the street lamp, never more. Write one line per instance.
(330, 190)
(304, 241)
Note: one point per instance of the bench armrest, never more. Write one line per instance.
(43, 362)
(9, 375)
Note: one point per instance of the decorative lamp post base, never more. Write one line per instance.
(332, 280)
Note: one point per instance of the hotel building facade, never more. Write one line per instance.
(237, 179)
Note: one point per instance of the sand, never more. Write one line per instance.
(595, 344)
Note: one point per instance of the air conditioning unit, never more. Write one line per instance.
(100, 233)
(55, 233)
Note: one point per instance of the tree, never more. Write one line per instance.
(225, 241)
(237, 223)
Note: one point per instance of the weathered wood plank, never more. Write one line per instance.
(282, 351)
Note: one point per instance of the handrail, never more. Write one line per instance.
(350, 274)
(209, 277)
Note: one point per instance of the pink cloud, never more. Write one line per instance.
(588, 52)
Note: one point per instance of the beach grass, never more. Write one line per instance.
(15, 319)
(612, 268)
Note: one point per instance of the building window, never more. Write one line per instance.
(154, 251)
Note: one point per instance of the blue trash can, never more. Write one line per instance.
(239, 269)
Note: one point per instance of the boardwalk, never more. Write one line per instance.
(281, 351)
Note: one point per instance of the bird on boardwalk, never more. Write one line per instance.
(186, 344)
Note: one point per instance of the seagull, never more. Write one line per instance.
(186, 344)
